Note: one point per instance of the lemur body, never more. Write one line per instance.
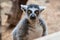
(31, 26)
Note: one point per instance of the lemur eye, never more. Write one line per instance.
(29, 11)
(37, 11)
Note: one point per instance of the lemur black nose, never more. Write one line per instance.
(32, 17)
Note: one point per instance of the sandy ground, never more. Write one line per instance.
(51, 16)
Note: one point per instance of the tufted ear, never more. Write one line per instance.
(42, 8)
(23, 7)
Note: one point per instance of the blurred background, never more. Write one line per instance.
(11, 14)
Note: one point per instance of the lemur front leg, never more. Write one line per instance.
(44, 26)
(21, 30)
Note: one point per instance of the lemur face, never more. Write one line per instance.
(32, 10)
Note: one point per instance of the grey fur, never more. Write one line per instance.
(27, 27)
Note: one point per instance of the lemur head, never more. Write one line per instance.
(32, 11)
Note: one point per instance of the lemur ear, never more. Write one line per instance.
(42, 8)
(23, 7)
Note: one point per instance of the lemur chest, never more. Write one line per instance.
(35, 31)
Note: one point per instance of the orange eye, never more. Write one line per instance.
(29, 11)
(37, 11)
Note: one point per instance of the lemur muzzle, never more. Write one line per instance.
(33, 17)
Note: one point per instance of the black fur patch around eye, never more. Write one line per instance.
(29, 12)
(37, 12)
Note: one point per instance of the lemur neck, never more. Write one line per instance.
(33, 22)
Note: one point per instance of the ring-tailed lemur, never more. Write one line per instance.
(32, 26)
